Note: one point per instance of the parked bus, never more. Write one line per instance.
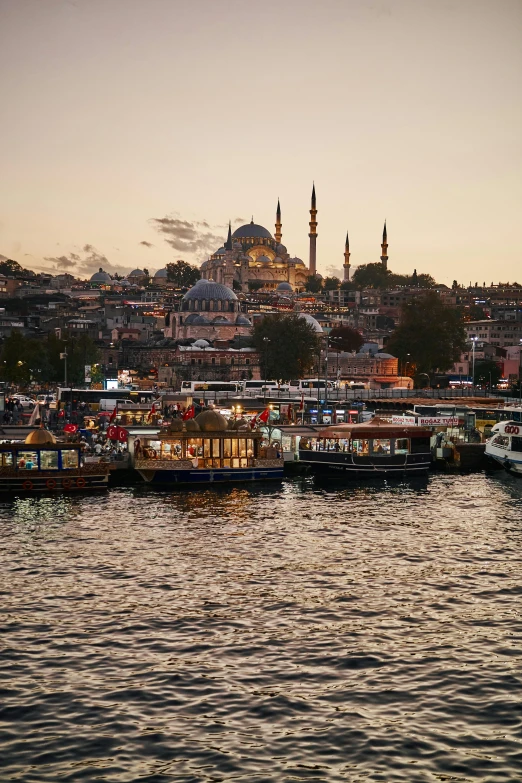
(93, 397)
(310, 384)
(262, 386)
(201, 387)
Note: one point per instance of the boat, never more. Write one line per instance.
(40, 463)
(371, 449)
(206, 449)
(505, 446)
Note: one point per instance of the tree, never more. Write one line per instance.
(344, 338)
(331, 283)
(487, 373)
(10, 267)
(255, 285)
(286, 344)
(182, 274)
(384, 322)
(348, 285)
(431, 336)
(371, 276)
(313, 284)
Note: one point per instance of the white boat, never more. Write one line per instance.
(505, 446)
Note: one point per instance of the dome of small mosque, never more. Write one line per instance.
(209, 290)
(200, 343)
(101, 277)
(285, 287)
(311, 320)
(137, 273)
(211, 421)
(191, 425)
(39, 437)
(263, 260)
(161, 273)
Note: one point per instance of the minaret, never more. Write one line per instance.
(346, 265)
(228, 243)
(278, 225)
(384, 248)
(313, 235)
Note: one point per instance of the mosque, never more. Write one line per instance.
(253, 259)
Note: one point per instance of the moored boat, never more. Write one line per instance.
(42, 464)
(369, 449)
(505, 446)
(204, 450)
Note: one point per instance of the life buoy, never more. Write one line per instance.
(27, 484)
(80, 482)
(66, 483)
(50, 484)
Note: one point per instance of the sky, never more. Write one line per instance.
(134, 130)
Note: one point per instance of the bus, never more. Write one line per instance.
(262, 386)
(309, 384)
(201, 387)
(93, 397)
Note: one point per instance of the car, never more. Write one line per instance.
(24, 400)
(42, 399)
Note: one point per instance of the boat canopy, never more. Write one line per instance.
(377, 428)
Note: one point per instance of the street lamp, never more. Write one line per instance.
(473, 341)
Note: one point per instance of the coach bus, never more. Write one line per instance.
(93, 397)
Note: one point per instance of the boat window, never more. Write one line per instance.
(69, 458)
(171, 449)
(420, 445)
(402, 446)
(7, 459)
(381, 446)
(502, 441)
(361, 447)
(48, 460)
(516, 443)
(27, 460)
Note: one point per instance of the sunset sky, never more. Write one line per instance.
(117, 114)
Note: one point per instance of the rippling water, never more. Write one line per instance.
(297, 632)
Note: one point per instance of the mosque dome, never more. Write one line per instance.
(124, 283)
(236, 245)
(242, 320)
(208, 290)
(200, 320)
(281, 250)
(263, 260)
(101, 277)
(252, 231)
(219, 252)
(285, 287)
(296, 261)
(136, 273)
(211, 421)
(311, 320)
(220, 319)
(161, 274)
(39, 437)
(200, 343)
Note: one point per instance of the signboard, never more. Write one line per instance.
(438, 421)
(400, 419)
(87, 373)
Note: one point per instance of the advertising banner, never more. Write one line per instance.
(438, 421)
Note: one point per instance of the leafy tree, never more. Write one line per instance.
(371, 276)
(384, 322)
(331, 283)
(287, 345)
(430, 335)
(348, 285)
(487, 372)
(182, 274)
(344, 338)
(313, 284)
(146, 273)
(10, 267)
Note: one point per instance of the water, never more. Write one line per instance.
(298, 632)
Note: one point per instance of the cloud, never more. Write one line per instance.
(63, 262)
(194, 237)
(334, 271)
(146, 244)
(85, 263)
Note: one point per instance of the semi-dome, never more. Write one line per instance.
(200, 320)
(285, 287)
(208, 290)
(211, 421)
(161, 273)
(263, 260)
(101, 277)
(242, 320)
(252, 230)
(311, 320)
(39, 437)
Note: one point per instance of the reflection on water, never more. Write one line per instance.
(312, 631)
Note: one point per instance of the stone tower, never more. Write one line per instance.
(313, 235)
(384, 248)
(278, 225)
(346, 265)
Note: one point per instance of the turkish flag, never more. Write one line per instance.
(301, 404)
(113, 414)
(112, 432)
(264, 416)
(123, 435)
(70, 428)
(189, 413)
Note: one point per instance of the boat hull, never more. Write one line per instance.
(210, 475)
(38, 484)
(366, 467)
(512, 465)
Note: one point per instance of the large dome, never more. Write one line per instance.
(285, 287)
(136, 273)
(252, 230)
(101, 277)
(211, 421)
(311, 320)
(161, 273)
(210, 290)
(40, 438)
